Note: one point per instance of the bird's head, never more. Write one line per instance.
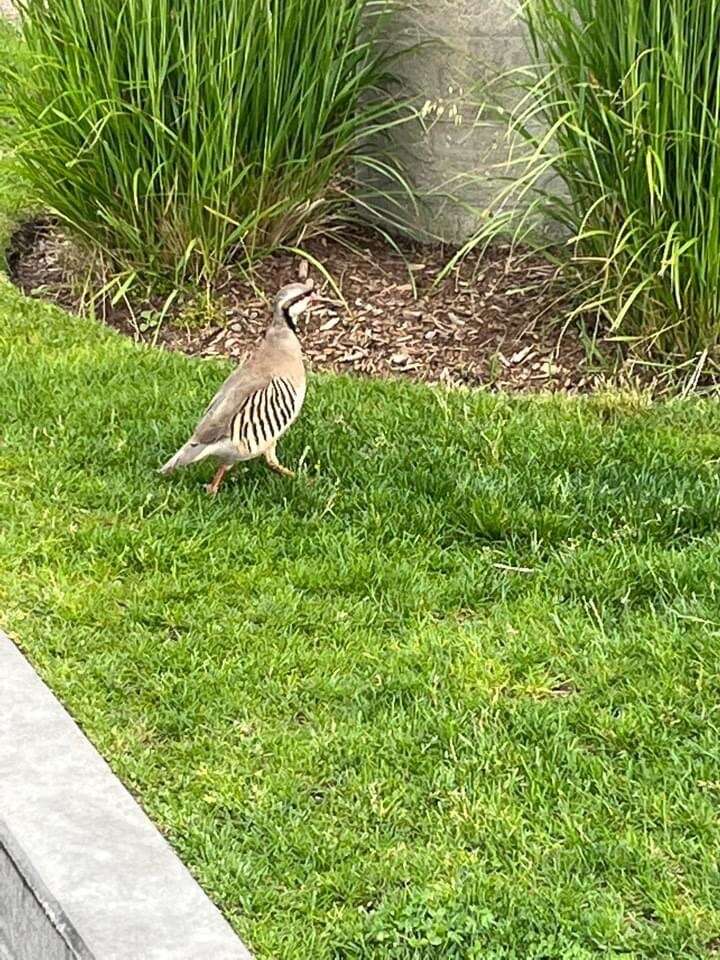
(292, 300)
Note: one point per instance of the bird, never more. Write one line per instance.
(259, 401)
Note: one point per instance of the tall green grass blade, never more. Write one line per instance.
(622, 105)
(180, 135)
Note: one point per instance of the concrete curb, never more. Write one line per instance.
(77, 851)
(31, 919)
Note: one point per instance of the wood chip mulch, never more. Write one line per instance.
(495, 321)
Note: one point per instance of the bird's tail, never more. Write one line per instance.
(187, 454)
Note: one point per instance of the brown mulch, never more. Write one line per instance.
(495, 321)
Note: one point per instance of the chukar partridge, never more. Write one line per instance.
(259, 401)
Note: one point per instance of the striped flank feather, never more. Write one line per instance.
(265, 415)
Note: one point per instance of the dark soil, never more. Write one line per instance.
(495, 321)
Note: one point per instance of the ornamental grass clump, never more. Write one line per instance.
(623, 105)
(177, 136)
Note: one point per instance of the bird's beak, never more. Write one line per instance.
(315, 298)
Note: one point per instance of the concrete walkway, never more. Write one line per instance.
(94, 864)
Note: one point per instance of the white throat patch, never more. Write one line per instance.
(295, 309)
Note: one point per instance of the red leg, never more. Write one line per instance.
(214, 485)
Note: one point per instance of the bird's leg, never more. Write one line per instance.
(272, 461)
(214, 485)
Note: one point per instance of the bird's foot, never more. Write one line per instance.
(283, 471)
(214, 485)
(278, 467)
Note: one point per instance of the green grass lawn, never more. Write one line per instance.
(453, 693)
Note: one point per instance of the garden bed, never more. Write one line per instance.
(493, 322)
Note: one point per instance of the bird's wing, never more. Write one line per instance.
(252, 410)
(215, 423)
